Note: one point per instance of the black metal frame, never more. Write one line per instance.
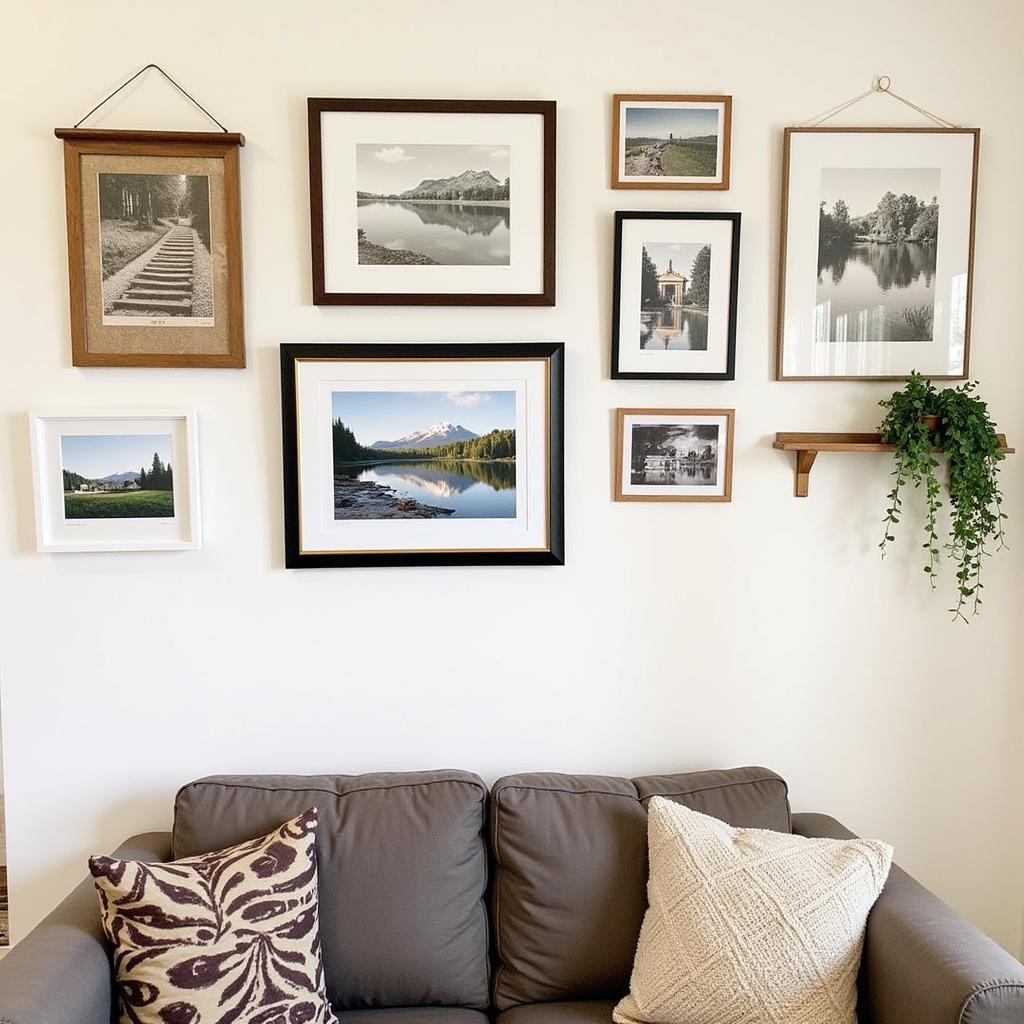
(730, 369)
(554, 355)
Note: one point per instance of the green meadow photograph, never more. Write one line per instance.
(117, 476)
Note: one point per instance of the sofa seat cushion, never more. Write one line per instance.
(414, 1015)
(582, 1011)
(571, 871)
(403, 871)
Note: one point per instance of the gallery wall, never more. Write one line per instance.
(764, 631)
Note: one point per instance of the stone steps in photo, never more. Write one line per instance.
(164, 284)
(155, 305)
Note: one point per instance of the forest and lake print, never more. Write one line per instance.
(878, 232)
(424, 454)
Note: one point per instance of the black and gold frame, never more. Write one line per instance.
(423, 454)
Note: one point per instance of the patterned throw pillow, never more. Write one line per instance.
(230, 937)
(746, 926)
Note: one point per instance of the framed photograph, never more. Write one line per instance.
(674, 455)
(438, 454)
(432, 202)
(116, 481)
(674, 296)
(154, 248)
(671, 141)
(877, 253)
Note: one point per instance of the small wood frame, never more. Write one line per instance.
(720, 488)
(620, 178)
(177, 301)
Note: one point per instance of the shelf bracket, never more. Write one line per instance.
(806, 446)
(804, 462)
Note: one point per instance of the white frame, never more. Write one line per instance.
(102, 534)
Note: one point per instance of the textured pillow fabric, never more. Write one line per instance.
(230, 937)
(746, 926)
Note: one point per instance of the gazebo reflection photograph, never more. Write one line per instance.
(675, 283)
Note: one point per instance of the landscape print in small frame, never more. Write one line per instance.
(432, 202)
(116, 481)
(671, 141)
(674, 454)
(154, 248)
(877, 252)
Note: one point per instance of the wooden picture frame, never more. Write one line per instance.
(826, 331)
(683, 108)
(698, 339)
(88, 495)
(150, 288)
(683, 477)
(362, 264)
(488, 490)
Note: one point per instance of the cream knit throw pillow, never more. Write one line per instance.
(746, 926)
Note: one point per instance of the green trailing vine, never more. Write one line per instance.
(966, 435)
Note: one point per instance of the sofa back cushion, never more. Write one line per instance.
(403, 872)
(570, 854)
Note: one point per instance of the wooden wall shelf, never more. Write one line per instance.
(807, 447)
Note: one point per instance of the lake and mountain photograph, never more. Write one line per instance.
(676, 142)
(423, 205)
(670, 454)
(424, 454)
(877, 239)
(155, 249)
(117, 476)
(675, 284)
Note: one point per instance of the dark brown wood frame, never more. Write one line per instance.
(718, 186)
(620, 423)
(322, 297)
(79, 142)
(783, 229)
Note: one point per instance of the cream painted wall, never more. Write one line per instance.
(766, 631)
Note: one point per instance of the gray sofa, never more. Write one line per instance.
(443, 903)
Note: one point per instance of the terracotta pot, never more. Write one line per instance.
(931, 422)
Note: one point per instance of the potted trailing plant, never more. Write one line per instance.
(922, 422)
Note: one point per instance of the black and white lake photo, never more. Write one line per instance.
(424, 454)
(433, 204)
(155, 249)
(877, 239)
(675, 283)
(670, 454)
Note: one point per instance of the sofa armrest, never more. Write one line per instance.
(60, 972)
(923, 963)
